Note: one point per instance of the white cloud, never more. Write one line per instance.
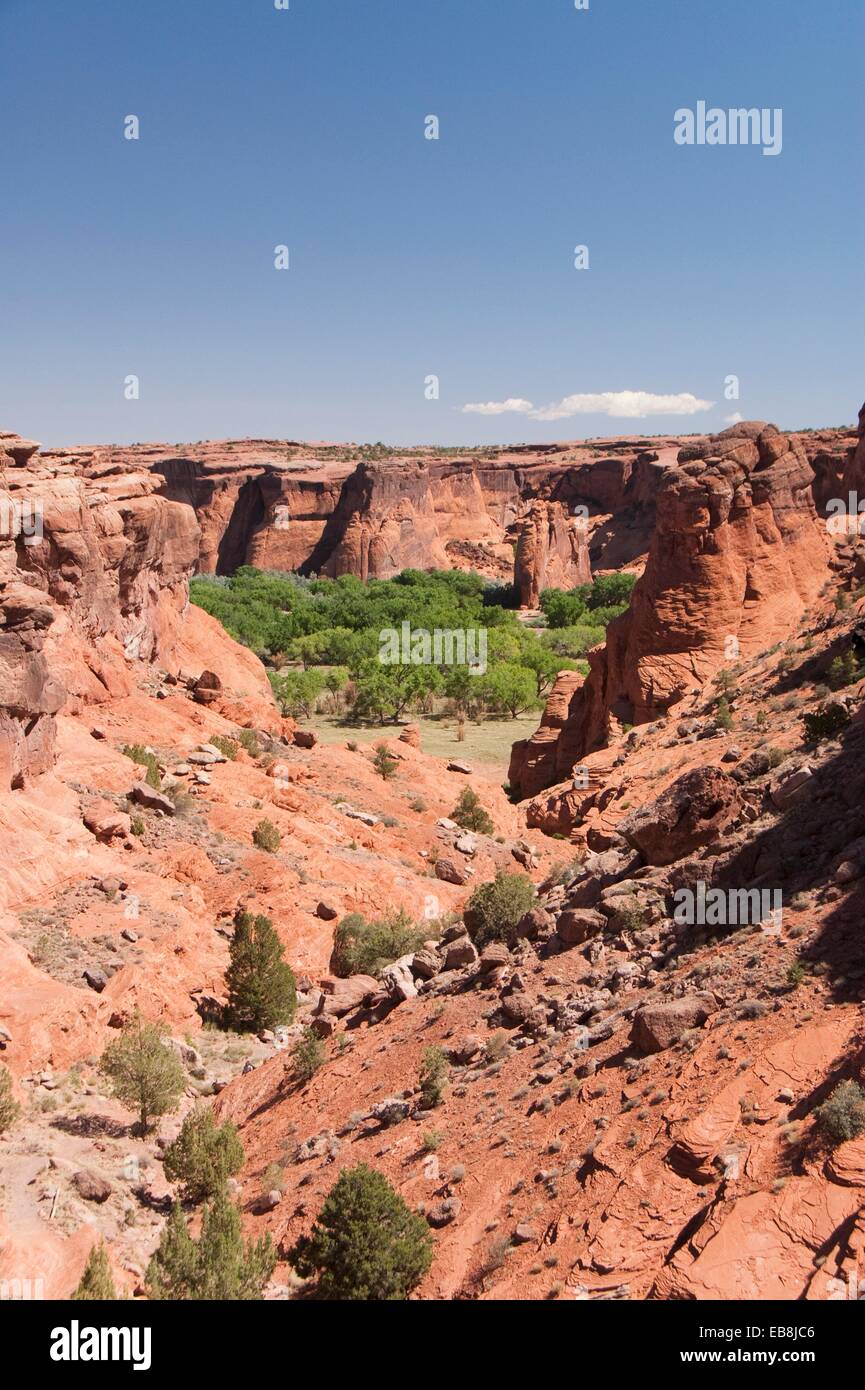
(734, 419)
(622, 405)
(512, 406)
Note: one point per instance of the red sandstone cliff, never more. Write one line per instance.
(737, 555)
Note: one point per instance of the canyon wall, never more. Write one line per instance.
(535, 516)
(94, 568)
(737, 556)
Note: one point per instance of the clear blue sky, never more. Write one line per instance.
(411, 257)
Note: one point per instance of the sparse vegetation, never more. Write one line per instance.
(266, 836)
(308, 1054)
(384, 763)
(494, 909)
(362, 947)
(469, 814)
(433, 1077)
(9, 1107)
(842, 1116)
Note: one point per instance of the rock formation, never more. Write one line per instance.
(736, 557)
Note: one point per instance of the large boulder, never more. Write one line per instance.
(695, 811)
(658, 1026)
(339, 996)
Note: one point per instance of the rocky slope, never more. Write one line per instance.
(631, 1105)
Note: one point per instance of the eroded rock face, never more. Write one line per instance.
(737, 555)
(551, 553)
(93, 574)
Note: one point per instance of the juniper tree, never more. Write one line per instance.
(96, 1283)
(367, 1244)
(219, 1266)
(145, 1074)
(204, 1155)
(261, 986)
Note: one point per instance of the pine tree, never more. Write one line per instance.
(219, 1266)
(367, 1244)
(9, 1107)
(261, 986)
(204, 1155)
(145, 1074)
(97, 1281)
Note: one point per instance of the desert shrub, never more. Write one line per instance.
(824, 723)
(9, 1107)
(842, 1116)
(145, 1074)
(97, 1281)
(433, 1077)
(362, 947)
(723, 716)
(495, 908)
(260, 984)
(266, 836)
(384, 762)
(796, 974)
(367, 1244)
(469, 814)
(845, 669)
(227, 746)
(308, 1054)
(248, 740)
(219, 1266)
(204, 1155)
(146, 759)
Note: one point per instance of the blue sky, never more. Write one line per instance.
(410, 257)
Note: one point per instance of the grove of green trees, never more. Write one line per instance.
(322, 639)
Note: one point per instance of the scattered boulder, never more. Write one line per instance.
(460, 953)
(658, 1026)
(451, 872)
(696, 810)
(304, 738)
(91, 1186)
(151, 799)
(326, 912)
(398, 980)
(207, 688)
(426, 963)
(339, 996)
(96, 979)
(576, 925)
(443, 1213)
(458, 766)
